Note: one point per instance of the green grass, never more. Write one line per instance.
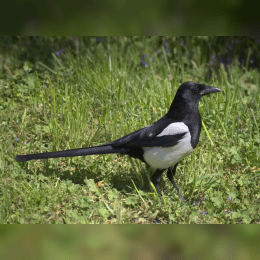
(86, 98)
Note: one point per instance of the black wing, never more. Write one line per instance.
(148, 136)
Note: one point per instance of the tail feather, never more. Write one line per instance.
(106, 149)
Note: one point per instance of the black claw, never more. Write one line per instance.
(170, 173)
(182, 198)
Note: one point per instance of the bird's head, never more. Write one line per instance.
(193, 91)
(187, 98)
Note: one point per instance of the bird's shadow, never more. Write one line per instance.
(120, 181)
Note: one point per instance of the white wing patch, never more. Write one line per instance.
(174, 128)
(164, 157)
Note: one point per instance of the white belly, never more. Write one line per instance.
(165, 157)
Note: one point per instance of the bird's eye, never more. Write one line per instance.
(196, 88)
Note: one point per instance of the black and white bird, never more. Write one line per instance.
(160, 145)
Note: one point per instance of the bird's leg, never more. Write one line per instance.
(156, 179)
(170, 173)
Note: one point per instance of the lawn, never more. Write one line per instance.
(60, 93)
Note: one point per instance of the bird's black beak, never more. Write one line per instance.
(209, 90)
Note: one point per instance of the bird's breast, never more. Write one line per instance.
(164, 157)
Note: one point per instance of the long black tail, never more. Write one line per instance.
(103, 149)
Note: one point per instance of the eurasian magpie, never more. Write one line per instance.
(160, 145)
